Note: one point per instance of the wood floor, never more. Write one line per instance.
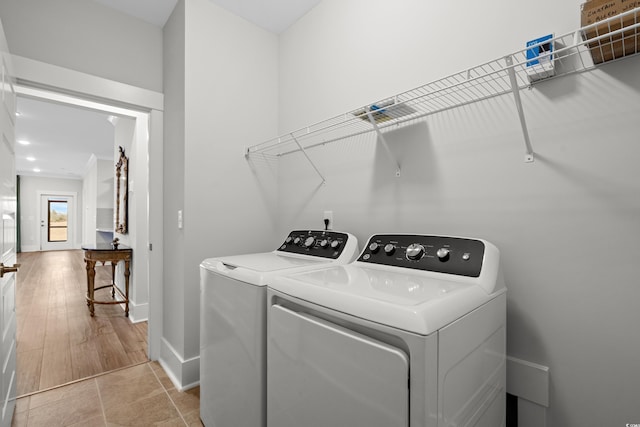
(57, 340)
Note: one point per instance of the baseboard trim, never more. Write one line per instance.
(184, 374)
(528, 380)
(138, 312)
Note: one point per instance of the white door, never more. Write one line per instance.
(7, 242)
(56, 222)
(320, 374)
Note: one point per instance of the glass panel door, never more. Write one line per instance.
(58, 221)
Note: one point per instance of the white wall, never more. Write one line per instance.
(90, 202)
(132, 135)
(98, 201)
(30, 188)
(85, 36)
(227, 99)
(105, 192)
(567, 224)
(172, 349)
(104, 200)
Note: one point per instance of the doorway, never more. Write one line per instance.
(57, 221)
(43, 81)
(60, 215)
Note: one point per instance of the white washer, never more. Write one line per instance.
(413, 333)
(233, 322)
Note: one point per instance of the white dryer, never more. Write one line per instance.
(233, 322)
(413, 333)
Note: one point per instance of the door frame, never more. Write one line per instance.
(72, 214)
(42, 80)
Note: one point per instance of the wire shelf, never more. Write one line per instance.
(574, 52)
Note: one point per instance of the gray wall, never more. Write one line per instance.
(173, 175)
(85, 36)
(567, 224)
(220, 96)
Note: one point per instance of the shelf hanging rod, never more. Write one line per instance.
(308, 158)
(523, 123)
(383, 140)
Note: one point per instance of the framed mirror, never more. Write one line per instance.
(122, 191)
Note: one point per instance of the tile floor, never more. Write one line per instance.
(141, 395)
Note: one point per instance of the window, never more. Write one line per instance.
(57, 231)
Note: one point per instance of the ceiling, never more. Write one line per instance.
(272, 15)
(63, 138)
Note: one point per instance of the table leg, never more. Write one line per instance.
(113, 278)
(126, 287)
(91, 274)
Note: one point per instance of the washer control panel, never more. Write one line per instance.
(451, 255)
(320, 243)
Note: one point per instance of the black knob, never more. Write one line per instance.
(288, 239)
(389, 249)
(309, 242)
(335, 244)
(374, 247)
(324, 243)
(415, 251)
(296, 241)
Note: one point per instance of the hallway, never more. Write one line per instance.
(57, 340)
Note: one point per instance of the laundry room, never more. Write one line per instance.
(547, 173)
(565, 224)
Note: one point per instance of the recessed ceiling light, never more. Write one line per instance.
(31, 159)
(36, 169)
(23, 142)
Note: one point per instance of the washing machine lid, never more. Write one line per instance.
(258, 268)
(401, 298)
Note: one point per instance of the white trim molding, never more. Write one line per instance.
(185, 374)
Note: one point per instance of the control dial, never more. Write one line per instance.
(288, 239)
(324, 243)
(389, 249)
(309, 242)
(297, 241)
(415, 251)
(335, 244)
(374, 247)
(443, 254)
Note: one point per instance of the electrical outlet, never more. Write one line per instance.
(328, 215)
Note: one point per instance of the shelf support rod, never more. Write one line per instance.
(308, 158)
(528, 157)
(383, 140)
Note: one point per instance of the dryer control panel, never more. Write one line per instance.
(320, 243)
(441, 254)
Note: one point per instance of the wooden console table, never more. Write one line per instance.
(107, 253)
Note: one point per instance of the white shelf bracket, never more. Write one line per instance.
(383, 140)
(528, 157)
(308, 158)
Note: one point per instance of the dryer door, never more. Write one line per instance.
(321, 374)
